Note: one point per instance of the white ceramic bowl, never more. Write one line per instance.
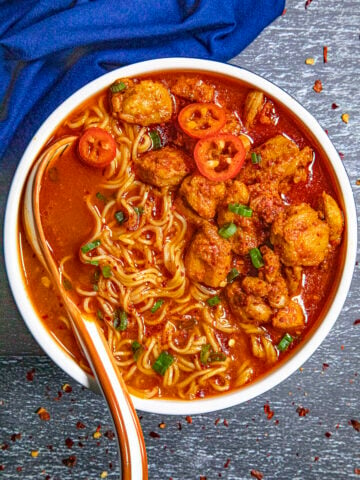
(13, 260)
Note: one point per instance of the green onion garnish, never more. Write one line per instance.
(256, 258)
(213, 301)
(139, 210)
(95, 287)
(137, 349)
(157, 305)
(90, 246)
(163, 362)
(234, 272)
(204, 354)
(100, 314)
(217, 357)
(93, 262)
(67, 284)
(228, 230)
(120, 320)
(239, 209)
(101, 197)
(285, 342)
(118, 87)
(120, 217)
(255, 158)
(106, 271)
(156, 139)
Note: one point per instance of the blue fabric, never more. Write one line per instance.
(50, 48)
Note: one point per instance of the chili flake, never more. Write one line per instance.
(334, 106)
(317, 86)
(154, 435)
(256, 474)
(189, 419)
(66, 388)
(357, 322)
(97, 434)
(310, 61)
(327, 434)
(109, 434)
(355, 424)
(70, 461)
(345, 117)
(302, 411)
(325, 52)
(30, 375)
(227, 463)
(80, 425)
(69, 442)
(268, 411)
(357, 471)
(162, 425)
(43, 414)
(34, 453)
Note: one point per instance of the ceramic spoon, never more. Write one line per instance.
(90, 336)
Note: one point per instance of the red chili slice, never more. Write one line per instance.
(200, 120)
(97, 147)
(220, 157)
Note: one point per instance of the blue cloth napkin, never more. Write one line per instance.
(50, 48)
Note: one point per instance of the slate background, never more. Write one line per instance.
(227, 444)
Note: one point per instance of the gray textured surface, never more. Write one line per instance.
(286, 446)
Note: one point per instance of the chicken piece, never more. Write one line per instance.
(272, 265)
(281, 159)
(255, 286)
(299, 236)
(278, 295)
(247, 307)
(143, 103)
(193, 89)
(268, 115)
(233, 124)
(290, 318)
(202, 195)
(253, 105)
(265, 200)
(294, 279)
(208, 258)
(236, 192)
(250, 234)
(164, 167)
(183, 208)
(334, 218)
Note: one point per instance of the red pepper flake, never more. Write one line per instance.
(66, 388)
(154, 435)
(80, 426)
(2, 467)
(327, 434)
(227, 463)
(355, 424)
(59, 395)
(15, 436)
(202, 477)
(357, 322)
(225, 422)
(179, 425)
(43, 414)
(162, 425)
(19, 469)
(268, 411)
(341, 155)
(70, 461)
(109, 434)
(316, 459)
(334, 106)
(50, 447)
(342, 347)
(256, 474)
(30, 375)
(357, 471)
(284, 11)
(317, 86)
(188, 419)
(4, 446)
(307, 4)
(69, 442)
(325, 366)
(302, 411)
(217, 421)
(325, 52)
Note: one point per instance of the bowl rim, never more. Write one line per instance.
(16, 279)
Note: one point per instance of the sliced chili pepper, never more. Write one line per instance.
(97, 147)
(220, 157)
(200, 120)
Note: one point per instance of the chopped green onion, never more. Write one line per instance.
(204, 353)
(256, 258)
(106, 271)
(255, 158)
(285, 342)
(120, 320)
(156, 139)
(118, 87)
(137, 349)
(228, 230)
(120, 217)
(67, 284)
(213, 301)
(139, 210)
(163, 362)
(90, 246)
(101, 197)
(100, 314)
(217, 357)
(234, 272)
(157, 305)
(239, 209)
(95, 287)
(93, 262)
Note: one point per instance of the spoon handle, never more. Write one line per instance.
(126, 423)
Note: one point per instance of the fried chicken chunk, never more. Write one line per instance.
(334, 218)
(202, 195)
(299, 236)
(164, 167)
(208, 258)
(143, 103)
(193, 89)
